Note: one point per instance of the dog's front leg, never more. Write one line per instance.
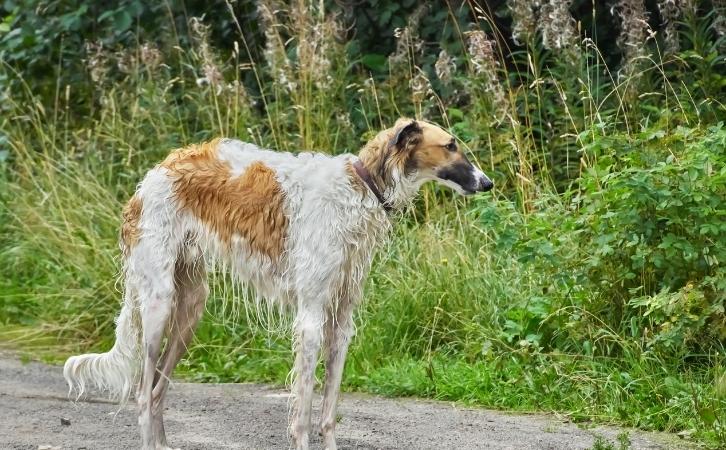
(338, 333)
(308, 337)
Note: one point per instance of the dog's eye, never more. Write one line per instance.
(451, 146)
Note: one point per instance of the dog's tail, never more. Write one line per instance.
(115, 371)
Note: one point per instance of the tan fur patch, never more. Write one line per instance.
(379, 159)
(190, 155)
(432, 152)
(131, 216)
(250, 205)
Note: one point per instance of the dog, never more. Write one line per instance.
(300, 228)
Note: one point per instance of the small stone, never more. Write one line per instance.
(685, 434)
(65, 421)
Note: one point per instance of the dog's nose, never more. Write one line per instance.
(486, 185)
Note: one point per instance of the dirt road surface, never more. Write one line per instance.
(33, 405)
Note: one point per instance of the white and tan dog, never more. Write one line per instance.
(301, 229)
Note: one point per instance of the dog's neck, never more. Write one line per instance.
(397, 188)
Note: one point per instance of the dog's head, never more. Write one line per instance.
(424, 151)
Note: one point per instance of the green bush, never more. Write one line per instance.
(634, 244)
(654, 228)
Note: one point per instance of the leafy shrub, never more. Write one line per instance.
(635, 243)
(655, 227)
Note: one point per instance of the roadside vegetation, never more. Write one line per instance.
(591, 282)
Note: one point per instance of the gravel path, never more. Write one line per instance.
(248, 416)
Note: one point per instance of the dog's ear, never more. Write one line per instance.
(407, 136)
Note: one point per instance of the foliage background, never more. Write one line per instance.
(591, 282)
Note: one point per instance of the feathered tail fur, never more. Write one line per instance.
(116, 371)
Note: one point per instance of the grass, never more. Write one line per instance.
(548, 295)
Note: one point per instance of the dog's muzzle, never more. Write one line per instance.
(465, 178)
(484, 183)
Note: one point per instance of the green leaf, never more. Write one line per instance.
(456, 114)
(374, 61)
(707, 415)
(385, 16)
(123, 21)
(105, 15)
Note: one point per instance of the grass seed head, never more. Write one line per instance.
(524, 19)
(558, 28)
(445, 66)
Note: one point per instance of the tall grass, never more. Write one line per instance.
(546, 295)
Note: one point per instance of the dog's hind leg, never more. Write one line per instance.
(156, 297)
(190, 295)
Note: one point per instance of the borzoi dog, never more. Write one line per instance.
(301, 229)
